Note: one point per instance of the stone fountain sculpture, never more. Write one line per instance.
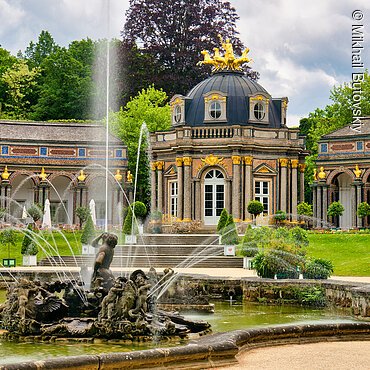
(114, 307)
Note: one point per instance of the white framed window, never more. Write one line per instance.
(259, 111)
(173, 192)
(259, 108)
(262, 194)
(214, 196)
(177, 113)
(178, 110)
(215, 109)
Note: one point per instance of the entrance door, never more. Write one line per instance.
(214, 196)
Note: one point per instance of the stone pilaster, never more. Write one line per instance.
(153, 186)
(283, 183)
(354, 206)
(248, 181)
(325, 204)
(187, 161)
(235, 206)
(294, 190)
(302, 168)
(160, 165)
(180, 189)
(319, 204)
(198, 207)
(358, 201)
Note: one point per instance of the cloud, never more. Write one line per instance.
(11, 15)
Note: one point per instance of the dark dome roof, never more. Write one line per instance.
(238, 87)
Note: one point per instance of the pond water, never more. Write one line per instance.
(228, 316)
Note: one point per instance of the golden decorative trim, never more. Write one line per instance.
(160, 165)
(118, 176)
(226, 62)
(236, 159)
(263, 169)
(294, 163)
(5, 175)
(215, 97)
(321, 175)
(153, 166)
(43, 175)
(283, 162)
(81, 177)
(357, 172)
(258, 98)
(302, 167)
(237, 220)
(179, 162)
(315, 174)
(176, 101)
(213, 160)
(187, 161)
(186, 220)
(248, 160)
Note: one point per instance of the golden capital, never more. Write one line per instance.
(321, 175)
(160, 165)
(153, 166)
(118, 176)
(81, 177)
(248, 160)
(283, 162)
(236, 159)
(302, 167)
(179, 162)
(187, 161)
(5, 175)
(294, 163)
(43, 175)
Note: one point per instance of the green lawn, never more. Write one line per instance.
(350, 253)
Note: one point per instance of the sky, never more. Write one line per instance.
(301, 48)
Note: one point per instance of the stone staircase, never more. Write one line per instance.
(160, 251)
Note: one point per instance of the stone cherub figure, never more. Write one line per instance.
(103, 260)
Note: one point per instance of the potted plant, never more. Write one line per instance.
(335, 209)
(88, 234)
(318, 268)
(35, 212)
(82, 213)
(156, 221)
(304, 210)
(29, 248)
(279, 217)
(255, 207)
(140, 211)
(229, 237)
(363, 210)
(8, 237)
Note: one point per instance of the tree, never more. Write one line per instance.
(229, 234)
(255, 207)
(363, 210)
(127, 224)
(8, 237)
(305, 209)
(139, 209)
(222, 220)
(88, 232)
(169, 36)
(29, 246)
(35, 212)
(335, 209)
(6, 62)
(20, 81)
(149, 107)
(82, 213)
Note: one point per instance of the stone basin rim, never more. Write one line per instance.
(206, 352)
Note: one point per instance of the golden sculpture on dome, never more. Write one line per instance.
(43, 175)
(5, 175)
(118, 176)
(357, 172)
(82, 176)
(227, 62)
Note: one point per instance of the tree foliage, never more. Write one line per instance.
(150, 107)
(363, 210)
(229, 235)
(335, 209)
(88, 233)
(255, 207)
(222, 220)
(166, 37)
(29, 246)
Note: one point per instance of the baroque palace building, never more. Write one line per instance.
(343, 174)
(62, 162)
(228, 144)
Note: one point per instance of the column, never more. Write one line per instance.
(358, 201)
(187, 188)
(325, 204)
(180, 189)
(153, 187)
(160, 165)
(354, 206)
(294, 191)
(248, 160)
(8, 195)
(283, 183)
(198, 207)
(314, 201)
(235, 204)
(319, 205)
(302, 168)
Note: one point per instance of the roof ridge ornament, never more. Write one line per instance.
(227, 62)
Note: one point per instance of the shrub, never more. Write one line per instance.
(8, 237)
(335, 209)
(88, 233)
(139, 209)
(29, 246)
(311, 296)
(318, 269)
(255, 208)
(127, 225)
(222, 221)
(279, 216)
(261, 265)
(35, 212)
(363, 210)
(304, 209)
(156, 215)
(82, 213)
(229, 234)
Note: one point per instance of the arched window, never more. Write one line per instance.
(177, 114)
(214, 196)
(259, 111)
(215, 109)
